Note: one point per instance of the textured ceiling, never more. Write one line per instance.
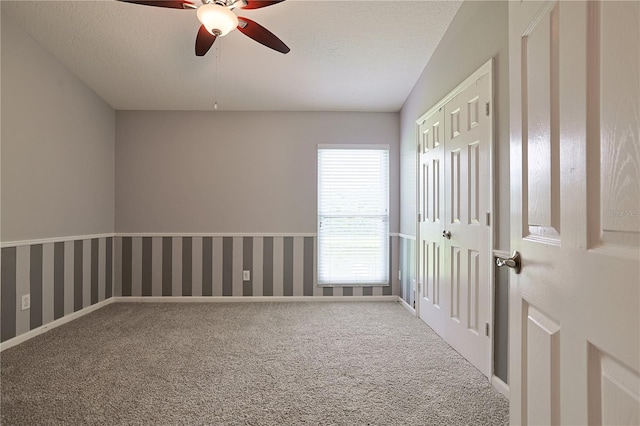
(345, 55)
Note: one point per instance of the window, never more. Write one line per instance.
(353, 214)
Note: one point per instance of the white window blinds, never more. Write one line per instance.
(353, 215)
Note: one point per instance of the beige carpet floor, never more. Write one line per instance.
(245, 364)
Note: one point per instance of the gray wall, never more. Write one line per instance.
(232, 172)
(57, 181)
(478, 32)
(58, 136)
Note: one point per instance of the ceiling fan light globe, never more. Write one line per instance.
(217, 19)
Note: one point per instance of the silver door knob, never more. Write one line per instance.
(446, 234)
(511, 262)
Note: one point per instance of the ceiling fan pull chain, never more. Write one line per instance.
(215, 78)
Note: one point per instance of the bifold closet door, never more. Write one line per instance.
(454, 204)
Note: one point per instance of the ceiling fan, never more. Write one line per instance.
(218, 20)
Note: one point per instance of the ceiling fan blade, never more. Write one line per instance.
(261, 35)
(172, 4)
(204, 41)
(257, 4)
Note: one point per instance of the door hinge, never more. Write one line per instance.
(419, 217)
(488, 219)
(487, 109)
(486, 329)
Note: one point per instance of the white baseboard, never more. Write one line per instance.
(407, 306)
(500, 386)
(57, 323)
(250, 299)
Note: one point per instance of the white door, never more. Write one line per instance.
(431, 221)
(454, 238)
(574, 327)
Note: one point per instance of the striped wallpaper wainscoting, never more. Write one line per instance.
(407, 260)
(213, 265)
(61, 277)
(66, 276)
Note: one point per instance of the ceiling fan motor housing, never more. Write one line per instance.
(217, 19)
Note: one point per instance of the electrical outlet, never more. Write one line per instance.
(246, 275)
(26, 302)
